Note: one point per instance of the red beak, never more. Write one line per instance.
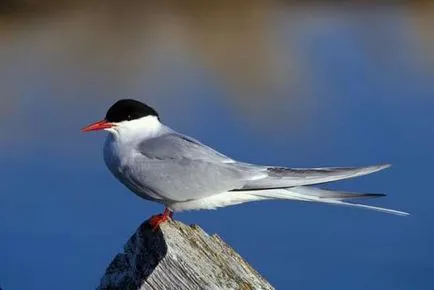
(101, 125)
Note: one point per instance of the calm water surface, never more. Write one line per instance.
(264, 83)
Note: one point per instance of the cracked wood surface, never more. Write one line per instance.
(179, 257)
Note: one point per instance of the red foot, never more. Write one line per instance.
(156, 220)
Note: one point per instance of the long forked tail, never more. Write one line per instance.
(314, 194)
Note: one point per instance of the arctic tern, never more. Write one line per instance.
(164, 166)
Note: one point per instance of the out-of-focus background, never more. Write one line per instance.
(291, 83)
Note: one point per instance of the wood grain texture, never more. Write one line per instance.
(179, 257)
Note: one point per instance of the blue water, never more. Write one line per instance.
(63, 217)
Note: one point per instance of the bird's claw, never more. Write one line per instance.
(156, 220)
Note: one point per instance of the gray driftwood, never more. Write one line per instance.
(179, 257)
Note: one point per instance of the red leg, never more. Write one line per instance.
(158, 219)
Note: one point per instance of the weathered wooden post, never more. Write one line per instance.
(179, 257)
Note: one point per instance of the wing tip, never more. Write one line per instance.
(385, 166)
(373, 195)
(379, 167)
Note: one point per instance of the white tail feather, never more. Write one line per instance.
(313, 194)
(302, 193)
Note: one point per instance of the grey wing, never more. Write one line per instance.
(187, 169)
(179, 168)
(277, 177)
(173, 145)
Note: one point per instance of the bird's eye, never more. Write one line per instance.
(129, 117)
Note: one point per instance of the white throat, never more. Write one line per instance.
(136, 130)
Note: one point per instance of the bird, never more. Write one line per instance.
(161, 165)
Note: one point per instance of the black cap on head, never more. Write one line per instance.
(127, 110)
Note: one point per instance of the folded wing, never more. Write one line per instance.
(277, 177)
